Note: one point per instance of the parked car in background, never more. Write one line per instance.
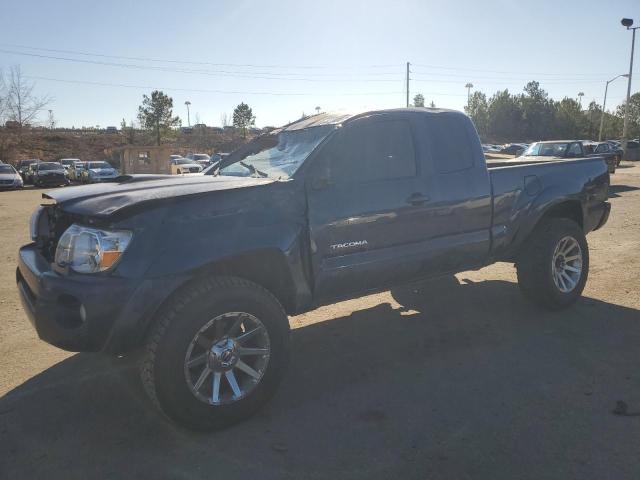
(23, 165)
(94, 172)
(75, 171)
(112, 130)
(202, 159)
(68, 162)
(10, 179)
(180, 166)
(513, 149)
(29, 173)
(605, 149)
(563, 150)
(49, 174)
(174, 157)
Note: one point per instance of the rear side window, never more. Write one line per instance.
(449, 142)
(368, 152)
(575, 149)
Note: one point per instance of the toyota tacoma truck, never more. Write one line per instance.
(198, 274)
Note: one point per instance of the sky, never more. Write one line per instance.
(287, 57)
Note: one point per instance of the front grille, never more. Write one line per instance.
(51, 225)
(194, 169)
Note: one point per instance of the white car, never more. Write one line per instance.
(75, 171)
(95, 172)
(67, 163)
(181, 166)
(9, 178)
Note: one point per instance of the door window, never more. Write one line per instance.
(374, 151)
(450, 143)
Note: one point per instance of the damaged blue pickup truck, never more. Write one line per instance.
(199, 273)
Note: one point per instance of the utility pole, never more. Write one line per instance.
(604, 104)
(627, 22)
(468, 86)
(408, 84)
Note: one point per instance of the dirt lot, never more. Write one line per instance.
(457, 378)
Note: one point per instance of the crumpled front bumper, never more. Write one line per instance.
(74, 314)
(88, 313)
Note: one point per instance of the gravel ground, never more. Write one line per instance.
(456, 378)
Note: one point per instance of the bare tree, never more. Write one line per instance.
(3, 97)
(22, 105)
(224, 120)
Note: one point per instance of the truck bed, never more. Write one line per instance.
(519, 188)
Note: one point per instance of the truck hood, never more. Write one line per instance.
(105, 199)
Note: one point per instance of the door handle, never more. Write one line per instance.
(418, 199)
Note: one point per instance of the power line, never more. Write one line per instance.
(507, 81)
(196, 90)
(222, 73)
(442, 67)
(275, 66)
(191, 62)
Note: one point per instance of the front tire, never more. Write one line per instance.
(216, 353)
(554, 264)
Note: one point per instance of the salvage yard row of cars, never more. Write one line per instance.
(73, 170)
(55, 174)
(610, 150)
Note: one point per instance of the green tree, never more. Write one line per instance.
(634, 115)
(478, 110)
(156, 114)
(569, 119)
(243, 118)
(537, 113)
(418, 100)
(505, 117)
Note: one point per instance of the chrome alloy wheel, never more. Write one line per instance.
(227, 358)
(566, 264)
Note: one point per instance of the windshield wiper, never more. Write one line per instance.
(253, 169)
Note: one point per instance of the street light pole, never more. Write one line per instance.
(468, 86)
(627, 22)
(604, 104)
(187, 103)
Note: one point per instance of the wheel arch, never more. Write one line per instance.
(267, 268)
(571, 209)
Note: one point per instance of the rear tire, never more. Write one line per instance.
(553, 266)
(199, 324)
